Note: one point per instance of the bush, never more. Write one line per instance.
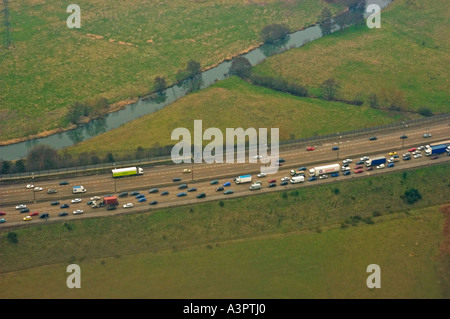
(12, 237)
(412, 195)
(424, 111)
(274, 32)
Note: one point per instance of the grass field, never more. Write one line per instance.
(405, 58)
(234, 103)
(207, 250)
(119, 50)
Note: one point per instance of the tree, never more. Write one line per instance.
(6, 165)
(325, 21)
(193, 68)
(20, 166)
(159, 84)
(241, 67)
(274, 32)
(412, 195)
(42, 157)
(424, 111)
(329, 89)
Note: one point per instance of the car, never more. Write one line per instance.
(228, 192)
(44, 215)
(335, 148)
(280, 160)
(380, 166)
(360, 162)
(426, 135)
(29, 186)
(62, 183)
(312, 178)
(186, 170)
(128, 205)
(391, 160)
(347, 160)
(134, 193)
(123, 194)
(24, 210)
(391, 165)
(214, 182)
(201, 195)
(345, 165)
(346, 173)
(403, 136)
(142, 199)
(219, 189)
(153, 202)
(285, 179)
(164, 193)
(139, 196)
(303, 168)
(412, 149)
(396, 156)
(2, 221)
(63, 214)
(51, 191)
(323, 176)
(373, 138)
(392, 153)
(181, 194)
(38, 189)
(76, 200)
(2, 213)
(90, 202)
(64, 206)
(78, 211)
(153, 190)
(417, 155)
(364, 158)
(272, 181)
(21, 206)
(434, 157)
(192, 189)
(227, 184)
(262, 175)
(111, 207)
(369, 168)
(335, 175)
(358, 171)
(310, 148)
(97, 197)
(406, 158)
(182, 186)
(27, 218)
(359, 166)
(176, 179)
(272, 185)
(284, 183)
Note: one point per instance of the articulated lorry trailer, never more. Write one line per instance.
(322, 170)
(127, 171)
(436, 149)
(376, 161)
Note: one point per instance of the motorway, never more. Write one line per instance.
(12, 194)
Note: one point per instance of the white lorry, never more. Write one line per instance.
(243, 179)
(78, 189)
(297, 179)
(327, 169)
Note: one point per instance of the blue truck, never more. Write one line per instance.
(376, 161)
(436, 149)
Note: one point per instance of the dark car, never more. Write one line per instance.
(44, 215)
(227, 192)
(64, 206)
(220, 188)
(153, 190)
(201, 195)
(153, 202)
(313, 178)
(140, 196)
(63, 214)
(64, 183)
(284, 183)
(281, 160)
(192, 189)
(346, 173)
(370, 168)
(176, 179)
(111, 207)
(434, 157)
(181, 194)
(403, 136)
(134, 193)
(165, 193)
(335, 175)
(214, 182)
(272, 185)
(227, 184)
(24, 210)
(303, 168)
(335, 148)
(182, 186)
(54, 203)
(373, 138)
(123, 194)
(359, 162)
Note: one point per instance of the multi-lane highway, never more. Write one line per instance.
(161, 177)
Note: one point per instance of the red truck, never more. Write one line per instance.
(112, 200)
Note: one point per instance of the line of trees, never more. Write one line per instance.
(78, 112)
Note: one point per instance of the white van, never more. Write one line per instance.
(345, 168)
(255, 186)
(297, 179)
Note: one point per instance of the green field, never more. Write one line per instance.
(234, 103)
(405, 60)
(286, 244)
(119, 50)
